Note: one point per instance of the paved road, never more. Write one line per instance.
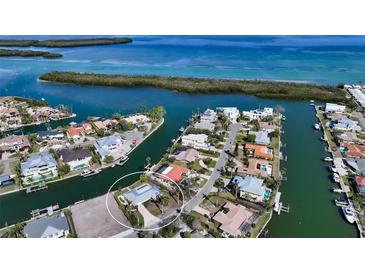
(221, 162)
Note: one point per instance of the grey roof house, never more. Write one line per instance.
(55, 226)
(262, 137)
(141, 194)
(357, 165)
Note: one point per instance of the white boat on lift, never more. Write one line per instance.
(89, 172)
(336, 178)
(349, 215)
(122, 160)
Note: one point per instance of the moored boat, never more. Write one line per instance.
(328, 159)
(181, 129)
(283, 118)
(336, 178)
(317, 126)
(349, 215)
(88, 172)
(122, 160)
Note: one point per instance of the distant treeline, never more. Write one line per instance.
(28, 53)
(63, 43)
(264, 89)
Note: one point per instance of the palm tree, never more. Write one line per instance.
(219, 184)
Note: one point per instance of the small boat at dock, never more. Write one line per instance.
(338, 190)
(88, 172)
(181, 129)
(122, 160)
(349, 215)
(328, 159)
(317, 127)
(333, 168)
(283, 118)
(336, 178)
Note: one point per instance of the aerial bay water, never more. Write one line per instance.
(323, 60)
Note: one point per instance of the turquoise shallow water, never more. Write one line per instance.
(319, 59)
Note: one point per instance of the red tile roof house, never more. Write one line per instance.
(354, 151)
(173, 172)
(78, 132)
(360, 184)
(257, 167)
(232, 221)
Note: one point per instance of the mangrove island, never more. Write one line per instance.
(63, 43)
(259, 88)
(28, 53)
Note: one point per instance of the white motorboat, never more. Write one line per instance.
(349, 215)
(283, 118)
(181, 129)
(88, 172)
(317, 126)
(336, 178)
(333, 168)
(122, 160)
(328, 159)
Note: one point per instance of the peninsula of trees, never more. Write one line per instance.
(264, 89)
(63, 43)
(28, 53)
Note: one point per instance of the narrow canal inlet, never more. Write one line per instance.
(308, 186)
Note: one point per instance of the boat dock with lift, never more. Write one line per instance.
(278, 206)
(41, 186)
(36, 213)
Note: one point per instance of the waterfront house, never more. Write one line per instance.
(6, 180)
(347, 136)
(259, 151)
(250, 187)
(173, 172)
(262, 137)
(357, 165)
(266, 126)
(360, 184)
(232, 218)
(9, 113)
(197, 141)
(50, 135)
(106, 146)
(258, 114)
(55, 226)
(76, 133)
(14, 143)
(105, 125)
(333, 116)
(256, 167)
(76, 158)
(38, 167)
(334, 108)
(346, 125)
(232, 113)
(209, 116)
(189, 155)
(137, 119)
(141, 194)
(353, 150)
(204, 125)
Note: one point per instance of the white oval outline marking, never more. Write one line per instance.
(144, 229)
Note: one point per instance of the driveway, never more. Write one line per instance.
(221, 162)
(148, 218)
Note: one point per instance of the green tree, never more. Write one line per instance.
(109, 159)
(63, 169)
(157, 113)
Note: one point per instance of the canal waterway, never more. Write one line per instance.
(307, 189)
